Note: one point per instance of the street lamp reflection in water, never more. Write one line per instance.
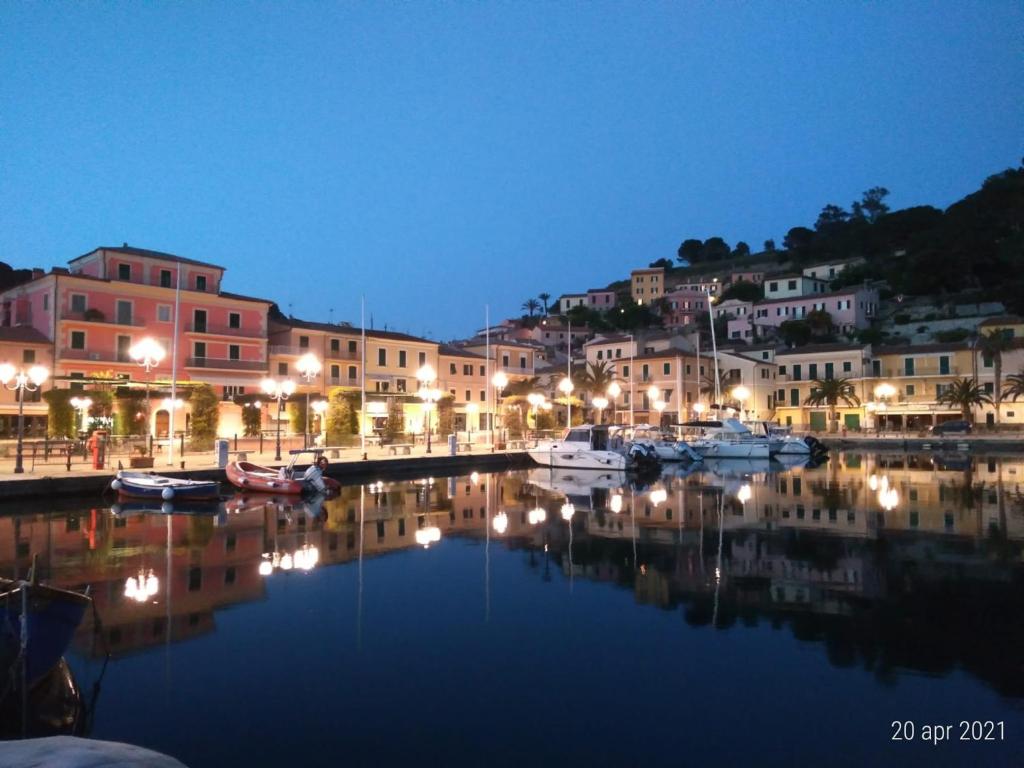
(142, 587)
(500, 523)
(568, 510)
(615, 503)
(431, 534)
(536, 516)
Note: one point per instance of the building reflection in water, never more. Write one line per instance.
(890, 561)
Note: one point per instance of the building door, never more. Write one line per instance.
(818, 421)
(990, 419)
(852, 421)
(123, 344)
(199, 321)
(163, 423)
(124, 312)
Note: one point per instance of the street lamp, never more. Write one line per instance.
(471, 409)
(698, 408)
(500, 381)
(20, 381)
(614, 390)
(741, 394)
(535, 399)
(320, 408)
(426, 375)
(660, 406)
(278, 390)
(653, 395)
(309, 368)
(565, 387)
(82, 404)
(148, 353)
(600, 403)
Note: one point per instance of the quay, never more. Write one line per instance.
(348, 467)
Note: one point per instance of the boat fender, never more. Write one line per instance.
(116, 485)
(167, 494)
(115, 509)
(167, 507)
(244, 481)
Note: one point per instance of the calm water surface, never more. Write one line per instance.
(741, 614)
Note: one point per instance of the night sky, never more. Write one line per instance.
(439, 157)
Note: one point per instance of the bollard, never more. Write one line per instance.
(181, 450)
(236, 442)
(261, 441)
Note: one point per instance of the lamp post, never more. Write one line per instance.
(659, 406)
(20, 381)
(471, 409)
(309, 368)
(82, 405)
(600, 403)
(614, 390)
(426, 375)
(278, 390)
(535, 399)
(500, 381)
(148, 353)
(565, 387)
(741, 394)
(320, 408)
(698, 408)
(653, 396)
(883, 392)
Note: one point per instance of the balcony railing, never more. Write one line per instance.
(225, 364)
(101, 317)
(225, 330)
(921, 369)
(342, 381)
(286, 349)
(93, 355)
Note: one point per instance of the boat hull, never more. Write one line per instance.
(137, 485)
(257, 479)
(577, 459)
(713, 449)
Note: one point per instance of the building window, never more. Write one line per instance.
(469, 395)
(352, 372)
(467, 370)
(78, 302)
(666, 369)
(794, 397)
(335, 372)
(78, 339)
(791, 285)
(352, 347)
(400, 385)
(200, 349)
(123, 311)
(234, 320)
(483, 395)
(234, 352)
(908, 366)
(944, 364)
(797, 373)
(163, 313)
(522, 361)
(812, 371)
(423, 359)
(401, 358)
(847, 366)
(199, 320)
(124, 271)
(335, 346)
(625, 371)
(165, 278)
(46, 301)
(382, 357)
(910, 390)
(830, 370)
(504, 361)
(200, 282)
(282, 369)
(28, 356)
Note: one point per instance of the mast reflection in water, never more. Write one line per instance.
(710, 615)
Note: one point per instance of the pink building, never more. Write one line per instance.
(112, 297)
(683, 307)
(745, 276)
(601, 299)
(851, 309)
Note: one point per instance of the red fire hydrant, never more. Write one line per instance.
(97, 445)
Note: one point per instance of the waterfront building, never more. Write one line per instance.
(569, 301)
(23, 347)
(111, 297)
(601, 299)
(647, 285)
(799, 367)
(787, 286)
(706, 285)
(517, 360)
(463, 375)
(683, 307)
(745, 276)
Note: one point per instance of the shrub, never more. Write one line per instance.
(901, 319)
(445, 415)
(61, 415)
(130, 414)
(341, 416)
(252, 418)
(205, 417)
(297, 414)
(395, 424)
(951, 335)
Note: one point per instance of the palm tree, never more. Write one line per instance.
(725, 383)
(992, 346)
(545, 298)
(963, 393)
(1014, 386)
(829, 392)
(595, 377)
(531, 306)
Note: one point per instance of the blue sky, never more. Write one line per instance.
(437, 157)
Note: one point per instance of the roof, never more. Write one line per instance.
(1001, 320)
(834, 262)
(240, 297)
(810, 349)
(607, 340)
(22, 334)
(849, 291)
(129, 250)
(600, 290)
(451, 351)
(572, 296)
(645, 270)
(787, 275)
(913, 349)
(347, 328)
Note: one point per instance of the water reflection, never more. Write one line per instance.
(889, 562)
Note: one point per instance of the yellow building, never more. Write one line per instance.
(647, 285)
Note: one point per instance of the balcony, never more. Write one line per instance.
(95, 316)
(926, 368)
(225, 330)
(92, 355)
(285, 349)
(342, 381)
(224, 364)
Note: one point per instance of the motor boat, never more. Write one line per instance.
(781, 440)
(590, 447)
(149, 485)
(664, 448)
(571, 482)
(287, 481)
(728, 439)
(196, 507)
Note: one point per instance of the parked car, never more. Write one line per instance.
(958, 426)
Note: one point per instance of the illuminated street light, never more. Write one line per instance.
(565, 387)
(615, 503)
(82, 405)
(278, 390)
(20, 382)
(499, 381)
(744, 493)
(148, 353)
(613, 391)
(568, 510)
(600, 403)
(309, 368)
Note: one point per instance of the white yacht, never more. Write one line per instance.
(728, 439)
(664, 448)
(583, 447)
(780, 439)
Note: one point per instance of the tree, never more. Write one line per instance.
(1014, 386)
(743, 291)
(205, 407)
(689, 251)
(531, 306)
(992, 345)
(595, 377)
(769, 245)
(666, 263)
(820, 322)
(342, 421)
(544, 298)
(707, 384)
(395, 424)
(296, 408)
(796, 333)
(798, 239)
(715, 249)
(741, 251)
(871, 206)
(252, 417)
(830, 392)
(830, 216)
(445, 415)
(130, 416)
(60, 419)
(964, 394)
